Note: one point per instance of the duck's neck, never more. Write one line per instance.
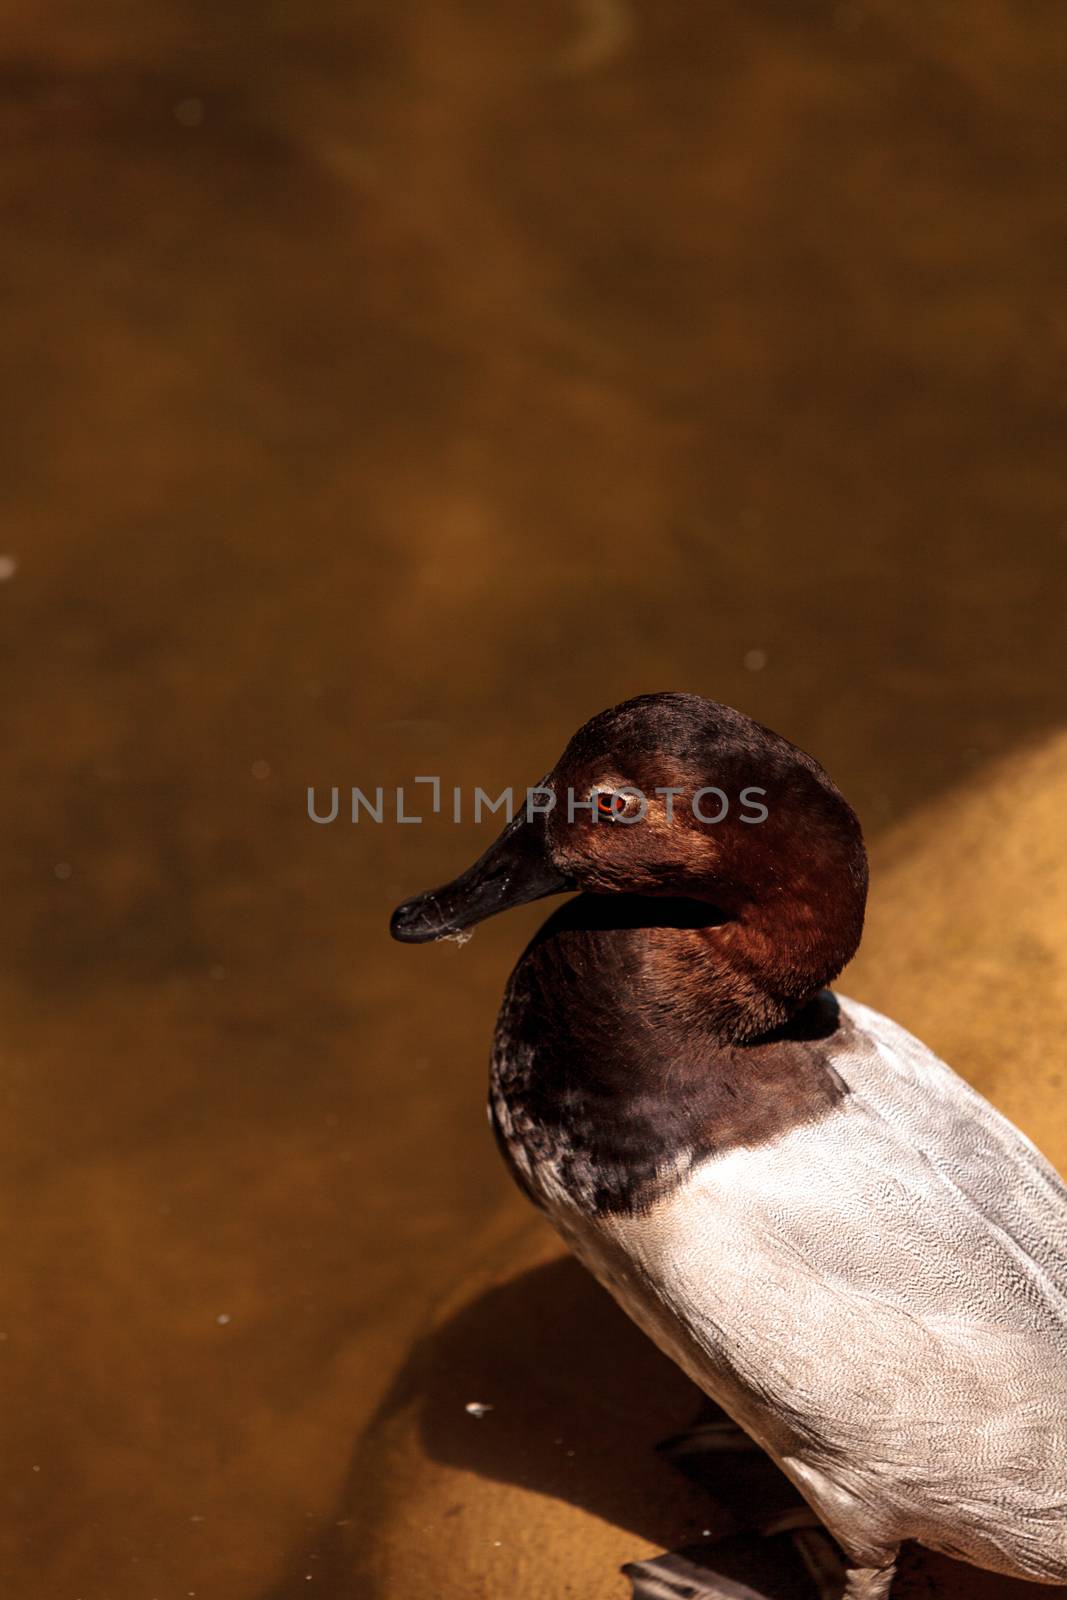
(689, 968)
(749, 975)
(711, 983)
(621, 1049)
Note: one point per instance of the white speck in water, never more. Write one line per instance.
(497, 1543)
(189, 112)
(8, 568)
(36, 1469)
(62, 870)
(755, 660)
(461, 936)
(223, 1318)
(706, 1532)
(261, 770)
(477, 1408)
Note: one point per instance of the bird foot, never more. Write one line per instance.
(794, 1558)
(674, 1577)
(721, 1459)
(744, 1569)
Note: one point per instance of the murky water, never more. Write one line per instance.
(388, 388)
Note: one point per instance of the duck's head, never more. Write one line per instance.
(674, 798)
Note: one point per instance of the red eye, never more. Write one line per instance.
(610, 805)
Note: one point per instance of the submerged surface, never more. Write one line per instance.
(388, 389)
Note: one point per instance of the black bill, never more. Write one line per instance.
(516, 868)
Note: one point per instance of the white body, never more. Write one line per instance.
(879, 1297)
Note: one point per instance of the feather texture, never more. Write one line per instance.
(877, 1296)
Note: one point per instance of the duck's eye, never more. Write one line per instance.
(610, 804)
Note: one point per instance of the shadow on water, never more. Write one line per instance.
(580, 1399)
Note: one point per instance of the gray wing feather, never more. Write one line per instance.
(967, 1142)
(880, 1297)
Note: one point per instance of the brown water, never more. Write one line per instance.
(387, 389)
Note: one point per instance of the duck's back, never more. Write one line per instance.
(877, 1292)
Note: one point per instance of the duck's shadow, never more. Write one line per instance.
(579, 1400)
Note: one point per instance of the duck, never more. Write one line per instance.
(847, 1248)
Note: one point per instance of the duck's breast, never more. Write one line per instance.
(878, 1296)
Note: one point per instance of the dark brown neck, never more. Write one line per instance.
(692, 968)
(621, 991)
(633, 1038)
(708, 983)
(762, 966)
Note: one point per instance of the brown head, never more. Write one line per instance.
(711, 823)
